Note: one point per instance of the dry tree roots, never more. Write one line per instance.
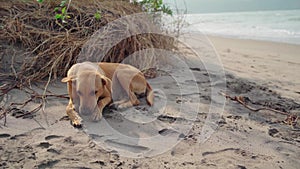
(291, 119)
(51, 46)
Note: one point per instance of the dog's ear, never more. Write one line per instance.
(103, 80)
(106, 82)
(68, 79)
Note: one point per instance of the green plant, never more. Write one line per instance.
(98, 15)
(62, 9)
(156, 6)
(148, 5)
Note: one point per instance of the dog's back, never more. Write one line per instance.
(85, 67)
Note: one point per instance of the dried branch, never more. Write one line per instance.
(290, 120)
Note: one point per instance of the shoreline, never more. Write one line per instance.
(254, 39)
(246, 11)
(267, 25)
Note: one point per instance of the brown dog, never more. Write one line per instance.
(90, 87)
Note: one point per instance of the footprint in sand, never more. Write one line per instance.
(4, 135)
(50, 137)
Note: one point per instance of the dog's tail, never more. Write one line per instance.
(149, 95)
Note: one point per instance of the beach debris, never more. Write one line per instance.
(291, 119)
(150, 73)
(18, 110)
(272, 132)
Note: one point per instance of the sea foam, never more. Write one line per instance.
(278, 26)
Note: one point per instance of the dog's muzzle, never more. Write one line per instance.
(86, 110)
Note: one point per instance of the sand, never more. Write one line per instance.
(275, 65)
(188, 127)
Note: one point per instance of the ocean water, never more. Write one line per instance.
(278, 26)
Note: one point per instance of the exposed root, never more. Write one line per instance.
(291, 119)
(52, 47)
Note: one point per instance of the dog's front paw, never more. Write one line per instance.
(116, 106)
(113, 106)
(76, 123)
(97, 115)
(126, 105)
(121, 105)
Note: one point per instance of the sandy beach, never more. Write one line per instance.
(265, 74)
(274, 65)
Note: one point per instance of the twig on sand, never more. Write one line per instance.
(290, 120)
(13, 107)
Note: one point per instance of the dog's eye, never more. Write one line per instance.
(93, 93)
(79, 93)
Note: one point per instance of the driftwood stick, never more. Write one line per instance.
(290, 120)
(33, 96)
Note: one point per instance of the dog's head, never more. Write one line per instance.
(89, 87)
